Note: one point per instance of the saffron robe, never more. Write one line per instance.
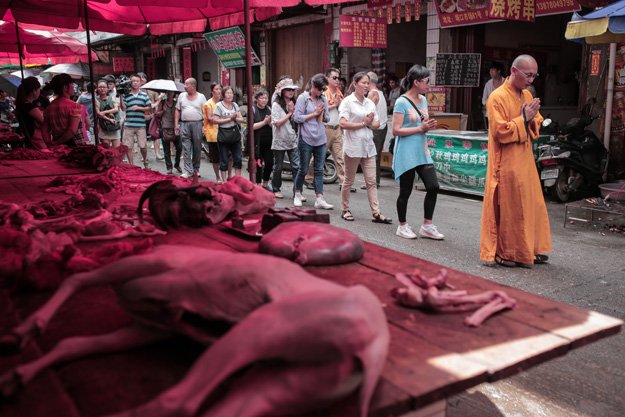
(515, 224)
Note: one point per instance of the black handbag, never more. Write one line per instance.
(229, 135)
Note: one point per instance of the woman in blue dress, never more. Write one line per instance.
(411, 155)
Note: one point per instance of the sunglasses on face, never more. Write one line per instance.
(336, 77)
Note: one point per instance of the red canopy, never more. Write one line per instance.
(111, 16)
(40, 47)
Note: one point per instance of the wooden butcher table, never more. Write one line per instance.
(432, 356)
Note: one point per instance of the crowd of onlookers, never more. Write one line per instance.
(298, 123)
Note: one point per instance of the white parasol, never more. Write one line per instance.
(164, 86)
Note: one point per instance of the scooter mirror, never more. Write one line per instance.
(546, 122)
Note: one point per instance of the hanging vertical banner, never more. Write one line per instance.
(149, 68)
(398, 8)
(327, 38)
(595, 62)
(408, 11)
(417, 10)
(517, 10)
(362, 32)
(389, 15)
(187, 71)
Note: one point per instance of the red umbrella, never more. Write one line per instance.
(39, 47)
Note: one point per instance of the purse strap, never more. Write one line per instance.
(415, 107)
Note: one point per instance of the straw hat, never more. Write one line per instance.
(287, 84)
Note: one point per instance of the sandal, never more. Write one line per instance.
(505, 262)
(540, 259)
(378, 218)
(347, 215)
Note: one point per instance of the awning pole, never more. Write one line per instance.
(93, 93)
(251, 163)
(19, 48)
(609, 98)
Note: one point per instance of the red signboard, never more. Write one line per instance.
(123, 64)
(187, 70)
(471, 12)
(371, 4)
(362, 32)
(518, 10)
(595, 62)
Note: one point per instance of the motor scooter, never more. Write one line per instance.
(330, 174)
(574, 163)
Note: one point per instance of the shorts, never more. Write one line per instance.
(134, 133)
(213, 152)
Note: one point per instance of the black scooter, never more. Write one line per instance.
(575, 162)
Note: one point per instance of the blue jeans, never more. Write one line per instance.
(278, 159)
(307, 151)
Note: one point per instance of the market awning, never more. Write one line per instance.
(606, 25)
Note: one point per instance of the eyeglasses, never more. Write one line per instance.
(527, 76)
(335, 77)
(425, 80)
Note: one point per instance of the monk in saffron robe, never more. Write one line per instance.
(515, 226)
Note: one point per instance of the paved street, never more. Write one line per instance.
(587, 269)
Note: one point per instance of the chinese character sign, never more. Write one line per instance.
(362, 32)
(436, 99)
(187, 68)
(124, 64)
(519, 10)
(229, 46)
(470, 12)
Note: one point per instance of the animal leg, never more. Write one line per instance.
(358, 330)
(117, 272)
(77, 347)
(286, 389)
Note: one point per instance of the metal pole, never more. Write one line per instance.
(610, 97)
(95, 115)
(251, 163)
(19, 49)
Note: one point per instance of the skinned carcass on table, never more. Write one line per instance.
(100, 157)
(311, 243)
(203, 204)
(277, 315)
(433, 294)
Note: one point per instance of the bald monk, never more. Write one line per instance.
(515, 227)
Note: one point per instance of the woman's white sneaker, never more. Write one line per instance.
(431, 232)
(297, 200)
(405, 231)
(321, 203)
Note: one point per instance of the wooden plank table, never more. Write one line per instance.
(431, 357)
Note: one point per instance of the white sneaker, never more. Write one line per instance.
(320, 203)
(297, 200)
(186, 175)
(278, 194)
(301, 197)
(405, 231)
(431, 232)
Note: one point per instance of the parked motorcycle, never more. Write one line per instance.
(575, 162)
(330, 174)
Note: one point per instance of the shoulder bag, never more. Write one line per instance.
(104, 123)
(229, 135)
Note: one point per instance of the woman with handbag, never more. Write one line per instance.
(165, 113)
(228, 117)
(411, 155)
(109, 130)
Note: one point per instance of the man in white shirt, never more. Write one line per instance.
(379, 135)
(189, 124)
(496, 79)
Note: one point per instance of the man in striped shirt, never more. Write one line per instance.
(136, 104)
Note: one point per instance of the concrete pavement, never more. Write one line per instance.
(586, 269)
